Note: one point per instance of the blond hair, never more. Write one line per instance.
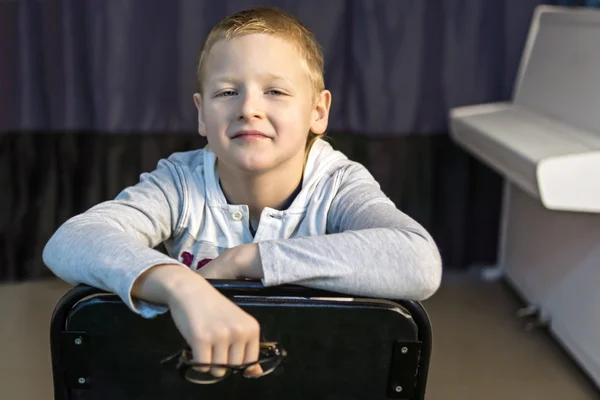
(278, 23)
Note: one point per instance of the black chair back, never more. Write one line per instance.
(363, 349)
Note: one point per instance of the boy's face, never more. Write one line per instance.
(258, 104)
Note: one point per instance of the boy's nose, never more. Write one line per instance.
(251, 108)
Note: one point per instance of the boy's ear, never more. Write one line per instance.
(321, 113)
(201, 124)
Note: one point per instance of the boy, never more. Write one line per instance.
(265, 200)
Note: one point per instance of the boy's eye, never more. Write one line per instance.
(275, 92)
(226, 93)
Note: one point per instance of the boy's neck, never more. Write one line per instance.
(271, 189)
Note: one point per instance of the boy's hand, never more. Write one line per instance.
(216, 329)
(236, 263)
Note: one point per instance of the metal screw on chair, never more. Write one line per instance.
(404, 350)
(81, 381)
(398, 389)
(78, 341)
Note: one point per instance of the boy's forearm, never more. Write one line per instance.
(239, 262)
(160, 283)
(249, 261)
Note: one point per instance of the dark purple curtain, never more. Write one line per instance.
(92, 93)
(395, 67)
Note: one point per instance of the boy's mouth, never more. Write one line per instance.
(252, 134)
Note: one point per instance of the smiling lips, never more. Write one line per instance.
(250, 135)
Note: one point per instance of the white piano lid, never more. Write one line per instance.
(559, 73)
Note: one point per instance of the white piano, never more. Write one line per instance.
(545, 142)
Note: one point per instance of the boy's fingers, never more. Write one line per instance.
(253, 370)
(202, 354)
(252, 350)
(236, 353)
(220, 353)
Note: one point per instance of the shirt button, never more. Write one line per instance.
(237, 216)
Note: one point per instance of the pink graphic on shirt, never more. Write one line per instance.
(202, 263)
(187, 258)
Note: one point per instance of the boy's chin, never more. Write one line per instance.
(252, 166)
(256, 167)
(257, 163)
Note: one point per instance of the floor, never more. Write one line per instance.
(481, 351)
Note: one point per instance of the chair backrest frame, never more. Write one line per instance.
(231, 289)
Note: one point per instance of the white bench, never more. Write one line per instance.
(546, 143)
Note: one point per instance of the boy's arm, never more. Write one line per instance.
(373, 249)
(111, 245)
